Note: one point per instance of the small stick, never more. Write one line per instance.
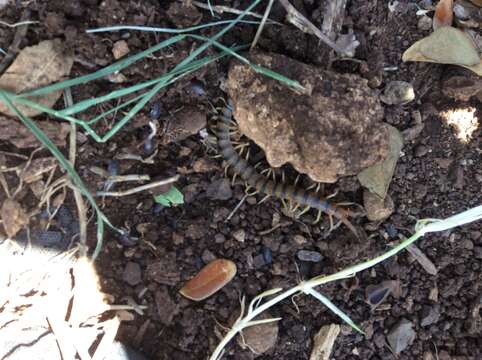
(139, 188)
(305, 25)
(79, 200)
(261, 26)
(220, 9)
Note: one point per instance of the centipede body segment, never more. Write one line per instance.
(263, 184)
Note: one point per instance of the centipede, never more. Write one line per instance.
(265, 185)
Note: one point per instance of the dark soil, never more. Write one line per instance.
(436, 176)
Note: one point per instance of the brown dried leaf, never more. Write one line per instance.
(13, 216)
(19, 135)
(34, 67)
(210, 279)
(446, 45)
(443, 14)
(37, 168)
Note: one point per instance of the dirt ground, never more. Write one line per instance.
(436, 176)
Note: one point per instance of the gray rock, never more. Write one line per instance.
(430, 315)
(309, 256)
(401, 336)
(424, 23)
(260, 338)
(239, 235)
(220, 190)
(166, 307)
(377, 209)
(132, 273)
(398, 93)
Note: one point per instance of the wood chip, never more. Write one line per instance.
(422, 259)
(323, 342)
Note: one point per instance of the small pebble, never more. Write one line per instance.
(401, 336)
(219, 238)
(421, 150)
(157, 208)
(300, 239)
(127, 240)
(258, 261)
(155, 111)
(398, 93)
(148, 147)
(267, 255)
(309, 256)
(113, 167)
(220, 190)
(424, 23)
(197, 88)
(207, 256)
(391, 230)
(430, 315)
(239, 235)
(120, 49)
(132, 273)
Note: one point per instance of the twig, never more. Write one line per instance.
(220, 9)
(139, 188)
(333, 18)
(17, 39)
(261, 26)
(302, 23)
(79, 200)
(28, 22)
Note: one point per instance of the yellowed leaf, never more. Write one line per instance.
(446, 45)
(475, 68)
(34, 67)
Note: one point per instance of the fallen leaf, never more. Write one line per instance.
(377, 178)
(19, 135)
(443, 14)
(14, 217)
(210, 279)
(37, 168)
(34, 67)
(446, 45)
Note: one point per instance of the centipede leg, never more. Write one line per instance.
(266, 197)
(304, 211)
(332, 195)
(318, 217)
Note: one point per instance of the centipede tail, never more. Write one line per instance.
(263, 184)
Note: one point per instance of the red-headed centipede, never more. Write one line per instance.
(264, 185)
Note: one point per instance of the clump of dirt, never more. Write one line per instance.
(315, 131)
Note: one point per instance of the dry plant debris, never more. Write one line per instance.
(13, 217)
(34, 67)
(324, 341)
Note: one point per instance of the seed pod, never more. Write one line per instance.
(210, 279)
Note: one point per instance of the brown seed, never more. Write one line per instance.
(210, 279)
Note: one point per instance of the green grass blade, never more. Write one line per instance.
(325, 301)
(117, 66)
(77, 181)
(168, 30)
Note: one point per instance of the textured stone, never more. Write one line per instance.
(315, 129)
